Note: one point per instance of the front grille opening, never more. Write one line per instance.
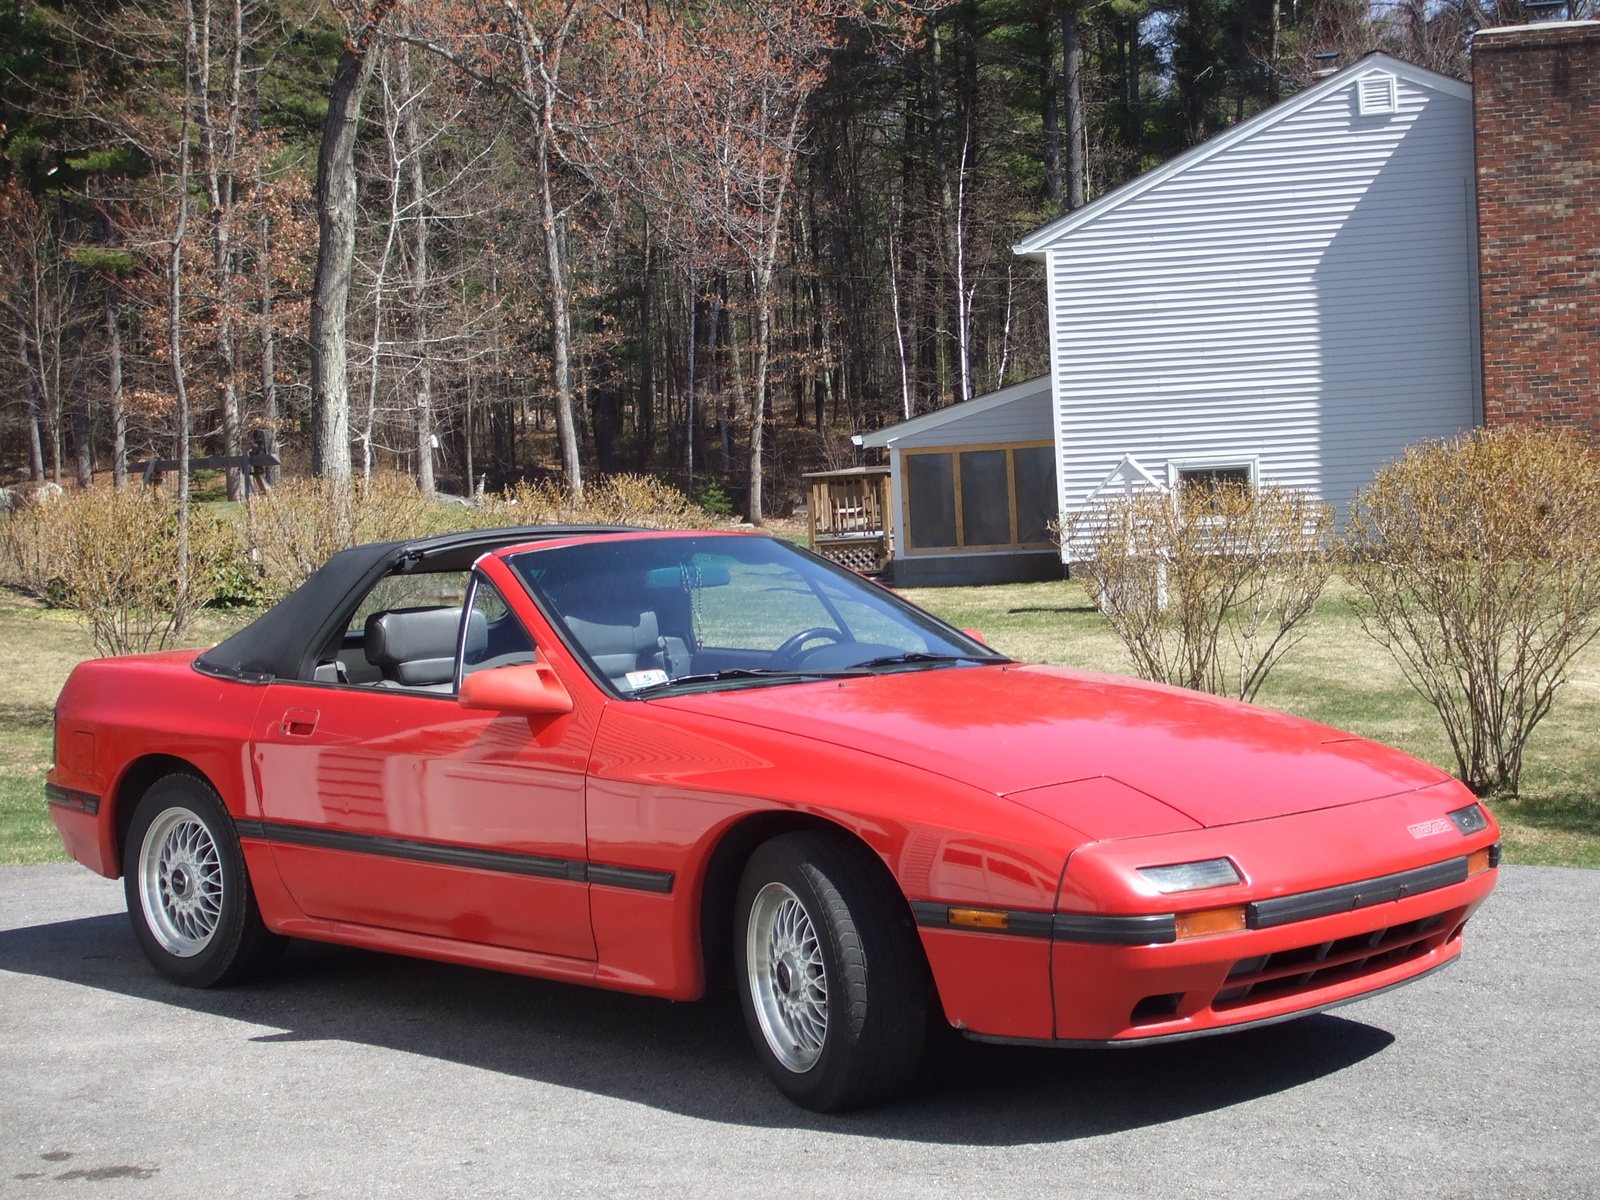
(1306, 968)
(1156, 1008)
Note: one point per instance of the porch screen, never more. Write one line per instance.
(1035, 469)
(982, 498)
(931, 497)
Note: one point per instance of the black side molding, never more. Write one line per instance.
(1283, 910)
(84, 802)
(1155, 929)
(1146, 930)
(442, 854)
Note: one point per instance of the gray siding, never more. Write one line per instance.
(1026, 419)
(1304, 298)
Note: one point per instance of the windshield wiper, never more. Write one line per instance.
(917, 656)
(746, 673)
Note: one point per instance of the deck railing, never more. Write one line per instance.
(849, 517)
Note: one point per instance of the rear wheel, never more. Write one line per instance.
(832, 980)
(188, 889)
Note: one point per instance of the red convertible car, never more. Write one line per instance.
(644, 761)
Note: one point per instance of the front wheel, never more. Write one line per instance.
(833, 984)
(188, 890)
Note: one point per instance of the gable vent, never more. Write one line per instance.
(1376, 94)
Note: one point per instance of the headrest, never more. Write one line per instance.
(616, 633)
(408, 634)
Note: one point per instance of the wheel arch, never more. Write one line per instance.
(137, 778)
(725, 866)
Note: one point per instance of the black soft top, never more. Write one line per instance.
(283, 642)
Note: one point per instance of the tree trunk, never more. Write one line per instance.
(330, 291)
(1072, 87)
(35, 410)
(119, 414)
(1050, 93)
(423, 422)
(560, 304)
(175, 337)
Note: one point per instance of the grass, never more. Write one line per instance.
(39, 646)
(1336, 675)
(1340, 677)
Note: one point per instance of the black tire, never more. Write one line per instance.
(866, 956)
(189, 895)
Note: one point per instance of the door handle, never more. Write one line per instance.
(299, 722)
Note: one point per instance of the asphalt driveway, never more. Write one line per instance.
(361, 1075)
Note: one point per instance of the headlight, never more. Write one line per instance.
(1192, 877)
(1469, 820)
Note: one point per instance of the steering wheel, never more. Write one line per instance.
(788, 654)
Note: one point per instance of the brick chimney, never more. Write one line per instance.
(1536, 114)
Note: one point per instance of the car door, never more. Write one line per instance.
(390, 805)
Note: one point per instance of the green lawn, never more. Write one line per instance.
(1337, 675)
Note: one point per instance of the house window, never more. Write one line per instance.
(999, 497)
(1215, 477)
(1198, 485)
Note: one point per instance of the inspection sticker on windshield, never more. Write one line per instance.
(644, 679)
(1426, 829)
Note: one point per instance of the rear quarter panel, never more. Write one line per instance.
(135, 708)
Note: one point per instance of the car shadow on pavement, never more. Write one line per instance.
(695, 1059)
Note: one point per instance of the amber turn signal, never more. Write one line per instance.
(1479, 861)
(979, 918)
(1211, 920)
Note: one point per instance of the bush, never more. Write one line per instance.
(302, 523)
(1207, 588)
(712, 497)
(1477, 565)
(612, 500)
(111, 555)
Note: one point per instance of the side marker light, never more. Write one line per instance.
(1480, 861)
(1210, 921)
(979, 918)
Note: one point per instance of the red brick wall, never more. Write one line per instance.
(1536, 105)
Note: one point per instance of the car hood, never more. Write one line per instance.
(1109, 756)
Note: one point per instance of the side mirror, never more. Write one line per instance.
(531, 688)
(976, 635)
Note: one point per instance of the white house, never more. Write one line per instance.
(1295, 300)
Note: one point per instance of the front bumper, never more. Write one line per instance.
(1114, 994)
(1099, 971)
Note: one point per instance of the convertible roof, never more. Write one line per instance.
(280, 643)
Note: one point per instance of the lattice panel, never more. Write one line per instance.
(865, 556)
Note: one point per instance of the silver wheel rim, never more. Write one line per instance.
(180, 882)
(787, 979)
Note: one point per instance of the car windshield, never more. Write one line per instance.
(657, 616)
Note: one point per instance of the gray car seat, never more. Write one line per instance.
(620, 642)
(416, 647)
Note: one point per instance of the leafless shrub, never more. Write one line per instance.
(109, 554)
(614, 500)
(1207, 588)
(1477, 563)
(300, 524)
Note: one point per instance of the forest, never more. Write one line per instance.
(482, 242)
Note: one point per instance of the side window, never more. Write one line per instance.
(403, 634)
(494, 636)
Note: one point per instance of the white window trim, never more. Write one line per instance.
(1251, 463)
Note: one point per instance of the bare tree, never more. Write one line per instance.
(336, 223)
